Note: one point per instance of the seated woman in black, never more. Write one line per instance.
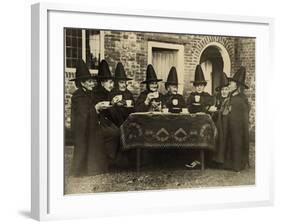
(106, 113)
(121, 97)
(172, 100)
(199, 100)
(150, 99)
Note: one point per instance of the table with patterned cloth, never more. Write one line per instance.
(160, 131)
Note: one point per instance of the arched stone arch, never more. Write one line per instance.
(224, 53)
(225, 46)
(196, 47)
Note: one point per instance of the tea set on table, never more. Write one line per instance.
(118, 99)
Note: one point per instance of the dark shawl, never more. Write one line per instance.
(140, 105)
(206, 100)
(168, 99)
(122, 112)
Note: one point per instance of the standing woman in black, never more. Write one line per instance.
(81, 109)
(220, 118)
(236, 124)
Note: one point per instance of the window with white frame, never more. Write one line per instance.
(165, 55)
(87, 44)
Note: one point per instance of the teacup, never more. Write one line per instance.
(197, 98)
(156, 94)
(119, 97)
(184, 110)
(106, 103)
(165, 110)
(129, 103)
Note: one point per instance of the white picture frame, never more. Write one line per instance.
(48, 201)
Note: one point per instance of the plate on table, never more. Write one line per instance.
(175, 110)
(200, 113)
(155, 112)
(108, 106)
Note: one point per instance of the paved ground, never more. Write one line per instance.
(154, 178)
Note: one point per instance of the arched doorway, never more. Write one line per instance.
(214, 59)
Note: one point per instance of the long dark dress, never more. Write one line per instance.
(108, 130)
(140, 105)
(89, 157)
(220, 118)
(237, 154)
(168, 101)
(206, 100)
(234, 124)
(122, 111)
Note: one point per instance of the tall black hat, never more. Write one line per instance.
(239, 77)
(151, 75)
(172, 77)
(199, 76)
(104, 72)
(82, 71)
(223, 81)
(120, 73)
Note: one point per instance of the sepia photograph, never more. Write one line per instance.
(157, 111)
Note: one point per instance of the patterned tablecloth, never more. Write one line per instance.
(173, 131)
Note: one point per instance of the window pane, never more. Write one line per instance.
(68, 41)
(68, 63)
(79, 43)
(68, 52)
(73, 42)
(73, 63)
(68, 32)
(79, 53)
(74, 53)
(74, 33)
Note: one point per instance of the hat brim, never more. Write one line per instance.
(153, 80)
(83, 78)
(172, 83)
(240, 83)
(126, 79)
(105, 77)
(199, 82)
(220, 87)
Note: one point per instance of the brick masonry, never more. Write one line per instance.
(131, 48)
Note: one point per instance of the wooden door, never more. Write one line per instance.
(162, 61)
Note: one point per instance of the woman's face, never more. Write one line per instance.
(88, 84)
(173, 89)
(200, 88)
(122, 85)
(108, 84)
(232, 86)
(153, 86)
(224, 91)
